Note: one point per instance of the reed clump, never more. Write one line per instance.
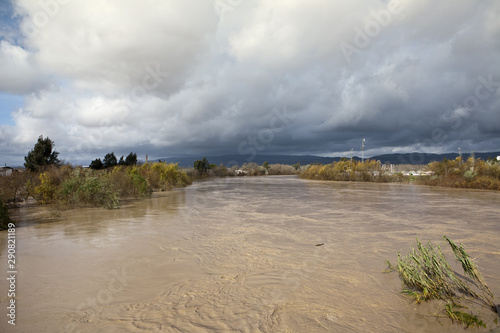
(427, 275)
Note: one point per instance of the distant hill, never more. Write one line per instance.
(229, 160)
(422, 158)
(411, 158)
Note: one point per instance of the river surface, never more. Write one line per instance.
(243, 255)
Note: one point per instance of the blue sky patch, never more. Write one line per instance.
(8, 104)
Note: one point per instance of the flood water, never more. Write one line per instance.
(243, 255)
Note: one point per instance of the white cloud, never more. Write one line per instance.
(109, 44)
(18, 71)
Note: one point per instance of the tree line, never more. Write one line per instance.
(110, 160)
(43, 154)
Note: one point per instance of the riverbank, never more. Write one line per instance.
(472, 173)
(64, 187)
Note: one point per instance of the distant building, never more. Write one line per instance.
(6, 171)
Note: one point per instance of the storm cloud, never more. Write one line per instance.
(200, 77)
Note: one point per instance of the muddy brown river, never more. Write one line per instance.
(243, 255)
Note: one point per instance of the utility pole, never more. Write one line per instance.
(473, 157)
(363, 150)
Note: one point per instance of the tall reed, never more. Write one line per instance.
(427, 275)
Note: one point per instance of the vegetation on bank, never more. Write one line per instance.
(203, 169)
(4, 216)
(76, 186)
(427, 275)
(471, 173)
(352, 170)
(48, 182)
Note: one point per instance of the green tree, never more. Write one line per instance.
(121, 161)
(265, 165)
(201, 165)
(110, 160)
(41, 155)
(96, 164)
(131, 159)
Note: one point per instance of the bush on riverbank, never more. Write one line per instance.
(472, 173)
(86, 187)
(247, 169)
(129, 182)
(164, 176)
(253, 169)
(13, 187)
(44, 185)
(67, 186)
(347, 170)
(4, 216)
(282, 169)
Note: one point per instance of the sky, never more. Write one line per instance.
(214, 77)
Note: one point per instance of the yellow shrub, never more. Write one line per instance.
(164, 176)
(45, 192)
